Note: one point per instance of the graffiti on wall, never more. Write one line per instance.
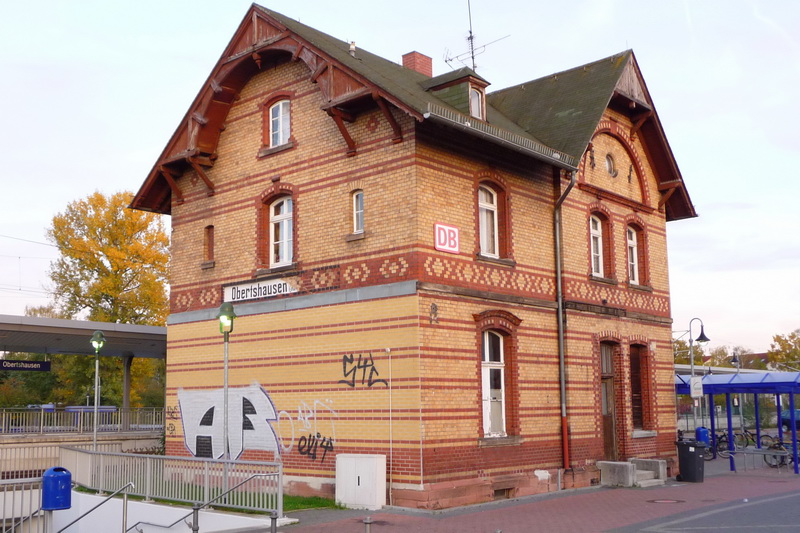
(250, 410)
(315, 423)
(351, 368)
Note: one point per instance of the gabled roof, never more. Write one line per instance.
(564, 109)
(551, 119)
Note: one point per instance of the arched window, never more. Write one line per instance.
(279, 123)
(487, 220)
(597, 245)
(493, 384)
(358, 211)
(281, 251)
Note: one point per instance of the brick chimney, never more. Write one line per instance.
(419, 62)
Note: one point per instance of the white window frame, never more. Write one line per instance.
(596, 238)
(633, 255)
(281, 226)
(358, 211)
(476, 103)
(279, 123)
(490, 241)
(493, 400)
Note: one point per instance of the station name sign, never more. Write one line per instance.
(259, 289)
(31, 366)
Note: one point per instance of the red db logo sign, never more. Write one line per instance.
(446, 238)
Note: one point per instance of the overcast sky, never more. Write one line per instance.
(91, 91)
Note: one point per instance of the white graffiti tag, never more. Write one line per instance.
(250, 410)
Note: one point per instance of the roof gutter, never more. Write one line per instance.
(493, 134)
(562, 374)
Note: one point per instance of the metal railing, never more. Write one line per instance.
(29, 461)
(182, 479)
(106, 500)
(20, 505)
(43, 421)
(196, 508)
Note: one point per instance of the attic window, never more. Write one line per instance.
(610, 166)
(476, 103)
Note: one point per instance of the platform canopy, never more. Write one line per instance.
(761, 383)
(53, 336)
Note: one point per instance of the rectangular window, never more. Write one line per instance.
(208, 244)
(279, 123)
(596, 234)
(493, 385)
(633, 256)
(280, 222)
(358, 212)
(487, 220)
(637, 401)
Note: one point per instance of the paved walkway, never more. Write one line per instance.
(584, 510)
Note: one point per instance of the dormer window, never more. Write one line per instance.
(476, 103)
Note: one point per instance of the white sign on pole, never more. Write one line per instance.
(696, 386)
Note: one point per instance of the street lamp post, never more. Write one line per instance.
(225, 316)
(700, 338)
(98, 340)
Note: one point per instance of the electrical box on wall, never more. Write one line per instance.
(361, 480)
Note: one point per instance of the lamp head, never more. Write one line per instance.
(98, 340)
(702, 337)
(226, 316)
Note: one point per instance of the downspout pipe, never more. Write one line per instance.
(562, 374)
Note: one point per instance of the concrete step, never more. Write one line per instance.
(649, 483)
(642, 475)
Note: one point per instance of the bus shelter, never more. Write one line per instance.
(773, 383)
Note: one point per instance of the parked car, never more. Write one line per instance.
(786, 420)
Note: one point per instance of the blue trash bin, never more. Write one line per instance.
(56, 489)
(702, 434)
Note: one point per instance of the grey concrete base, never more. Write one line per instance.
(633, 473)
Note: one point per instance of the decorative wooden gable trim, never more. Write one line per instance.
(260, 41)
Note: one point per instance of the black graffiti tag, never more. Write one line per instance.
(350, 370)
(308, 446)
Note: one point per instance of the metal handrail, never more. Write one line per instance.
(197, 507)
(16, 525)
(124, 510)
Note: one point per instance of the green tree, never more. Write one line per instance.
(113, 268)
(113, 264)
(784, 351)
(681, 351)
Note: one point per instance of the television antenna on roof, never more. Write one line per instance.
(473, 51)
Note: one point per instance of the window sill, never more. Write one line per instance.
(643, 433)
(206, 265)
(355, 237)
(607, 281)
(486, 442)
(264, 272)
(637, 287)
(496, 260)
(269, 150)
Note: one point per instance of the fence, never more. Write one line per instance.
(183, 479)
(18, 462)
(79, 420)
(20, 504)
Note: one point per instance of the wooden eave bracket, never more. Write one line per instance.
(339, 116)
(639, 122)
(387, 113)
(200, 172)
(170, 179)
(317, 73)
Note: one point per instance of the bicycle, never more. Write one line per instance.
(782, 458)
(745, 438)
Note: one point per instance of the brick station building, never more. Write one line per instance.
(470, 283)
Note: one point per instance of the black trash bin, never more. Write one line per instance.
(691, 460)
